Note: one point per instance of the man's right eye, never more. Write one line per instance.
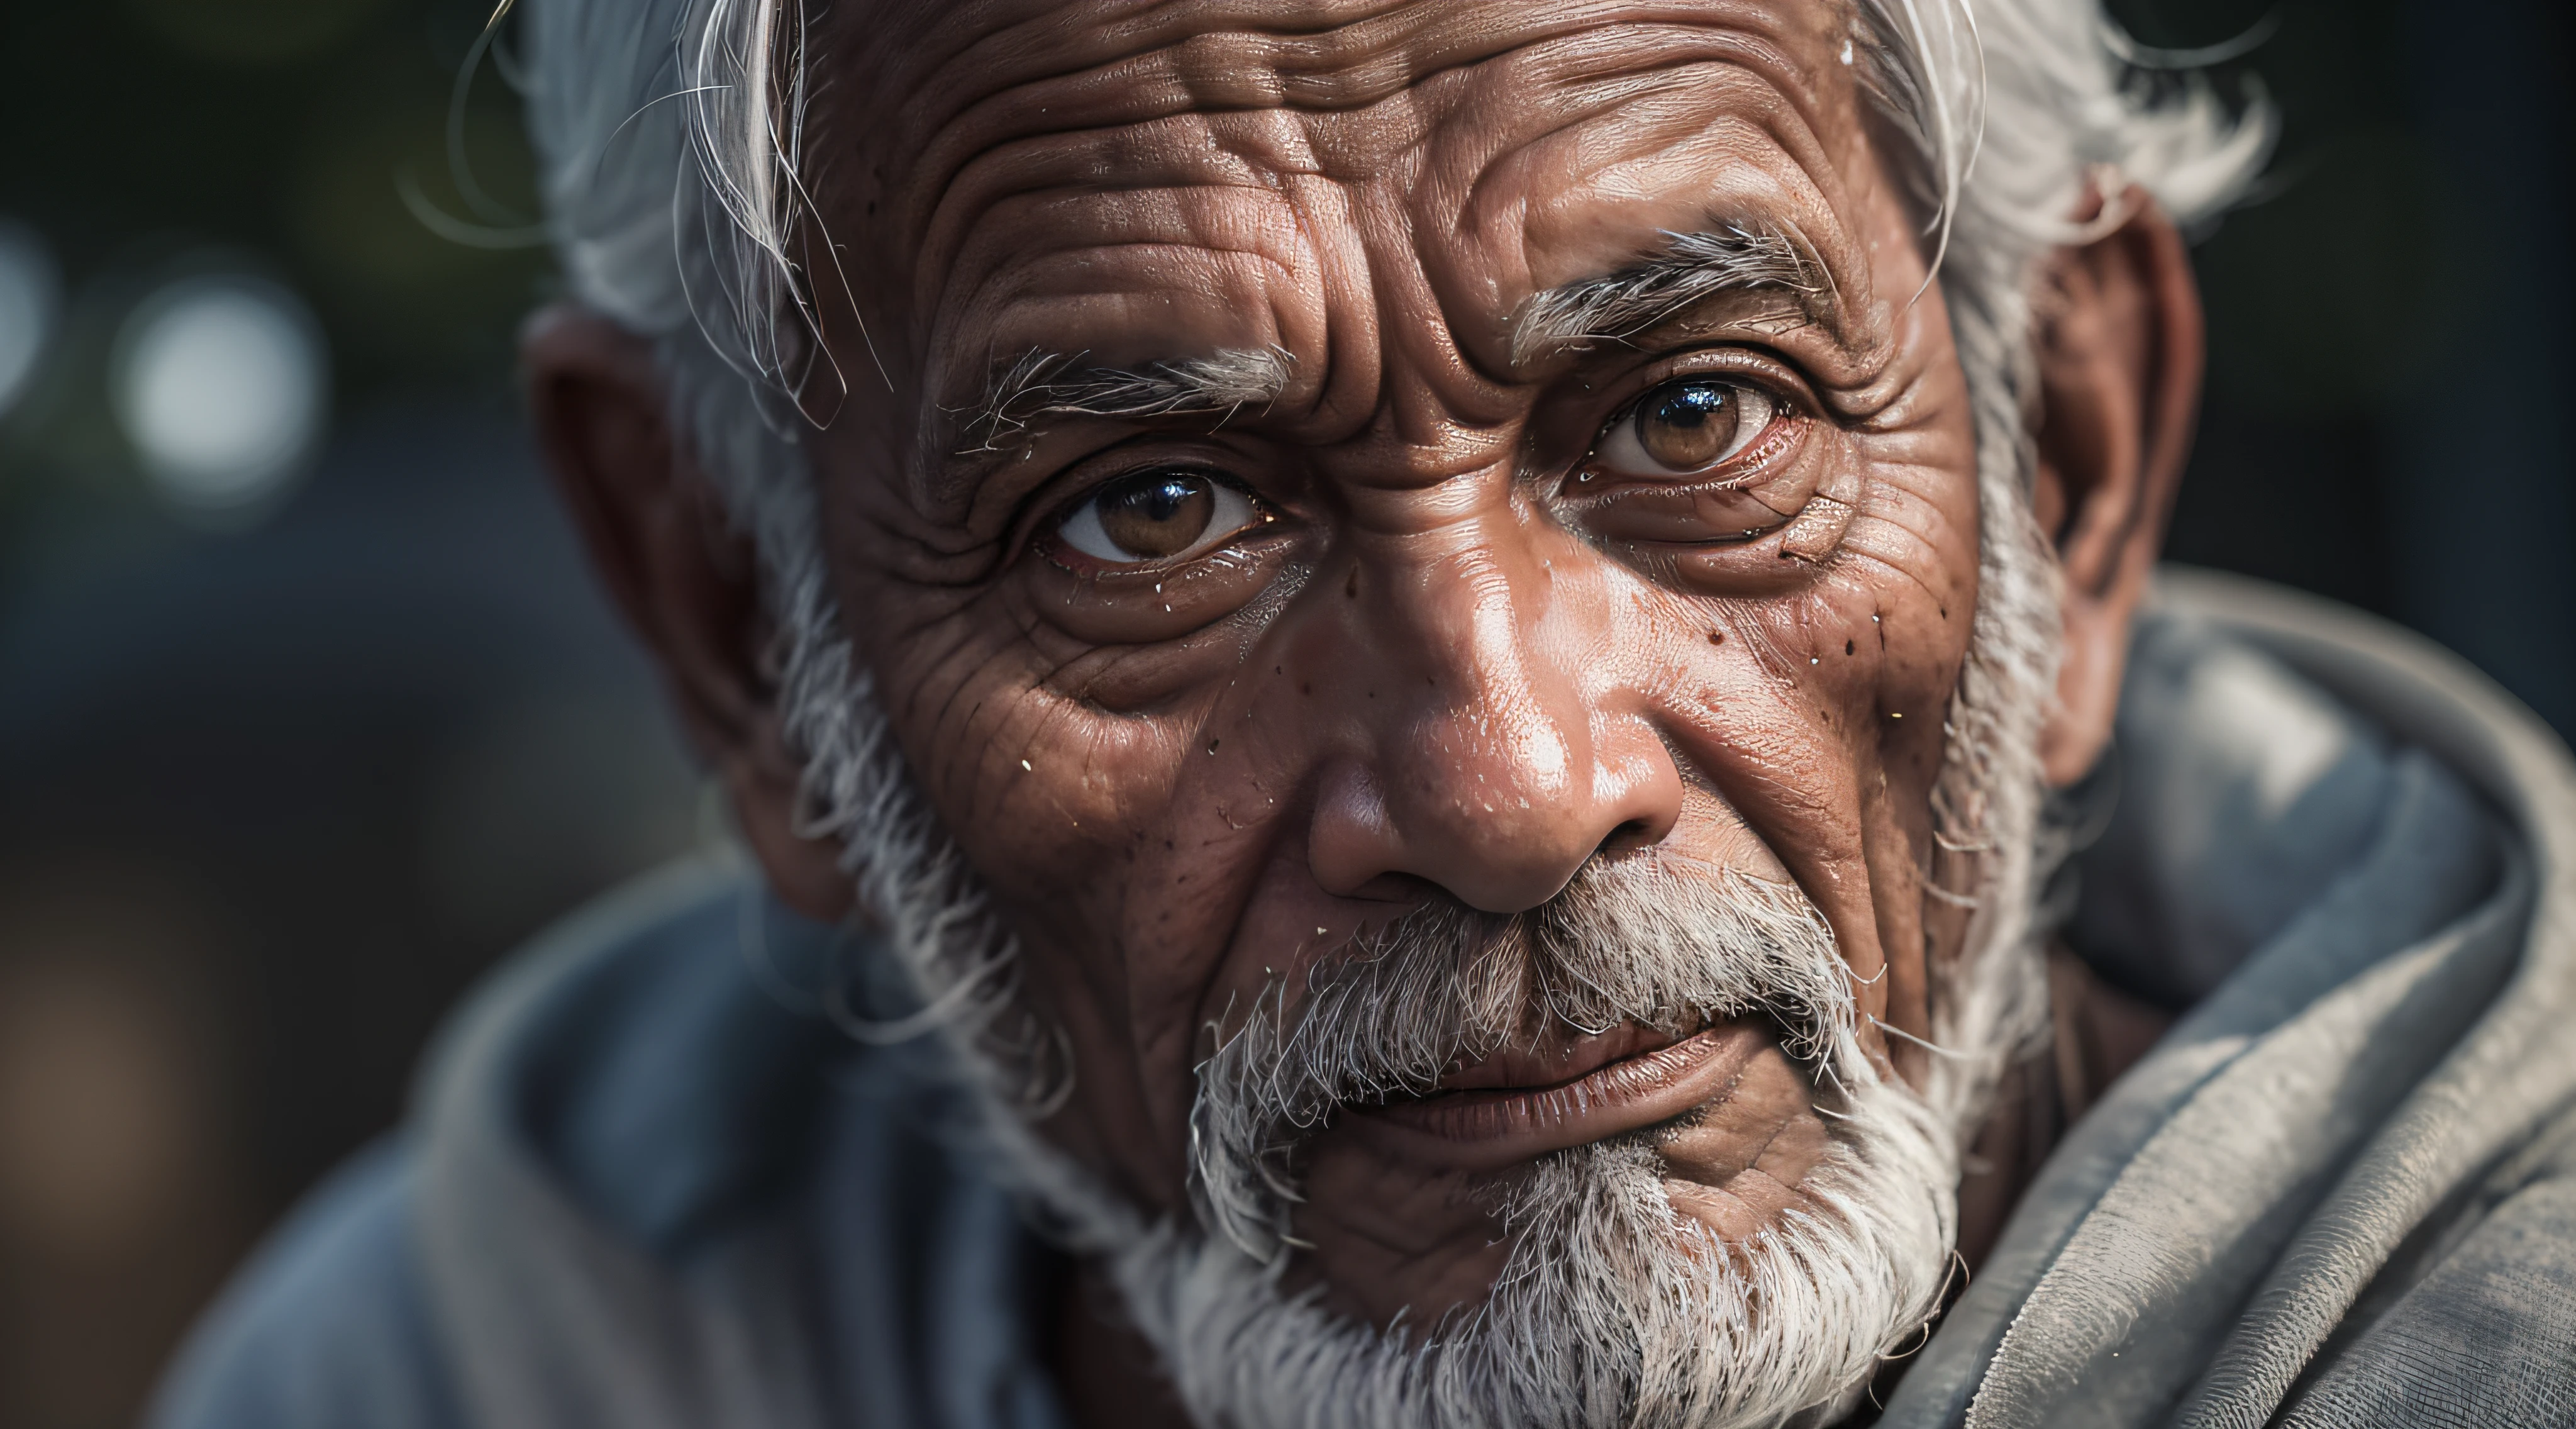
(1149, 517)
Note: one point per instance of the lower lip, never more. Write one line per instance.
(1490, 1130)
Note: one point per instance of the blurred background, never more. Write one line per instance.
(308, 712)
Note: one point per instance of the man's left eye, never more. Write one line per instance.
(1162, 515)
(1684, 428)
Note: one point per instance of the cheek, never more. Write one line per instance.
(1115, 842)
(1912, 558)
(1814, 705)
(1049, 797)
(1805, 688)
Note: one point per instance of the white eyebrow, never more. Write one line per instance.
(1041, 385)
(1693, 268)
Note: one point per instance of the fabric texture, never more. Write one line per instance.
(2198, 1239)
(2486, 1336)
(650, 1183)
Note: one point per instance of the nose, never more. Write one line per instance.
(1497, 757)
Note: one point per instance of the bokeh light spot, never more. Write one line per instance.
(221, 384)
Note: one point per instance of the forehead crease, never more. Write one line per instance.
(1177, 208)
(1586, 119)
(1023, 219)
(1696, 82)
(1077, 68)
(1538, 89)
(1168, 76)
(1053, 152)
(1753, 163)
(1086, 67)
(1169, 178)
(1063, 299)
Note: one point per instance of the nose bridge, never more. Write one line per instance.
(1485, 702)
(1487, 762)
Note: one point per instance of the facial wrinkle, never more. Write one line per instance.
(1073, 69)
(1645, 142)
(1210, 156)
(1088, 82)
(1191, 202)
(1173, 181)
(1084, 75)
(1745, 74)
(1434, 397)
(1208, 152)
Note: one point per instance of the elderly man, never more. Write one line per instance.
(1409, 687)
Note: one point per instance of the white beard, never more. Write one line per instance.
(1612, 1308)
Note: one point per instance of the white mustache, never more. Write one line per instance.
(1665, 944)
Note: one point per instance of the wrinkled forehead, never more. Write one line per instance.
(1152, 181)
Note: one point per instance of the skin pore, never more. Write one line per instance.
(1449, 607)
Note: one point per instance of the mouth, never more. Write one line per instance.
(1517, 1106)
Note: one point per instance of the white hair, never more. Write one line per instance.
(669, 134)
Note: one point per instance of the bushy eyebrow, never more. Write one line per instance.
(1693, 268)
(1040, 386)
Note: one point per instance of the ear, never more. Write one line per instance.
(2119, 348)
(684, 580)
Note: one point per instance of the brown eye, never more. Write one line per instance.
(1685, 427)
(1155, 516)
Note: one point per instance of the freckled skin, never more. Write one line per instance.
(1441, 665)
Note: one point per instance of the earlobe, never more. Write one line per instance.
(2119, 347)
(686, 583)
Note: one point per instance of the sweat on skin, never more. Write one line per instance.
(1211, 696)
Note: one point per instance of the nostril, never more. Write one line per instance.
(1398, 888)
(1626, 838)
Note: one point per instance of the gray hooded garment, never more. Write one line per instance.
(649, 1186)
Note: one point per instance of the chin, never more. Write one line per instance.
(1614, 1303)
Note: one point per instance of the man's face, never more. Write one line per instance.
(1343, 461)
